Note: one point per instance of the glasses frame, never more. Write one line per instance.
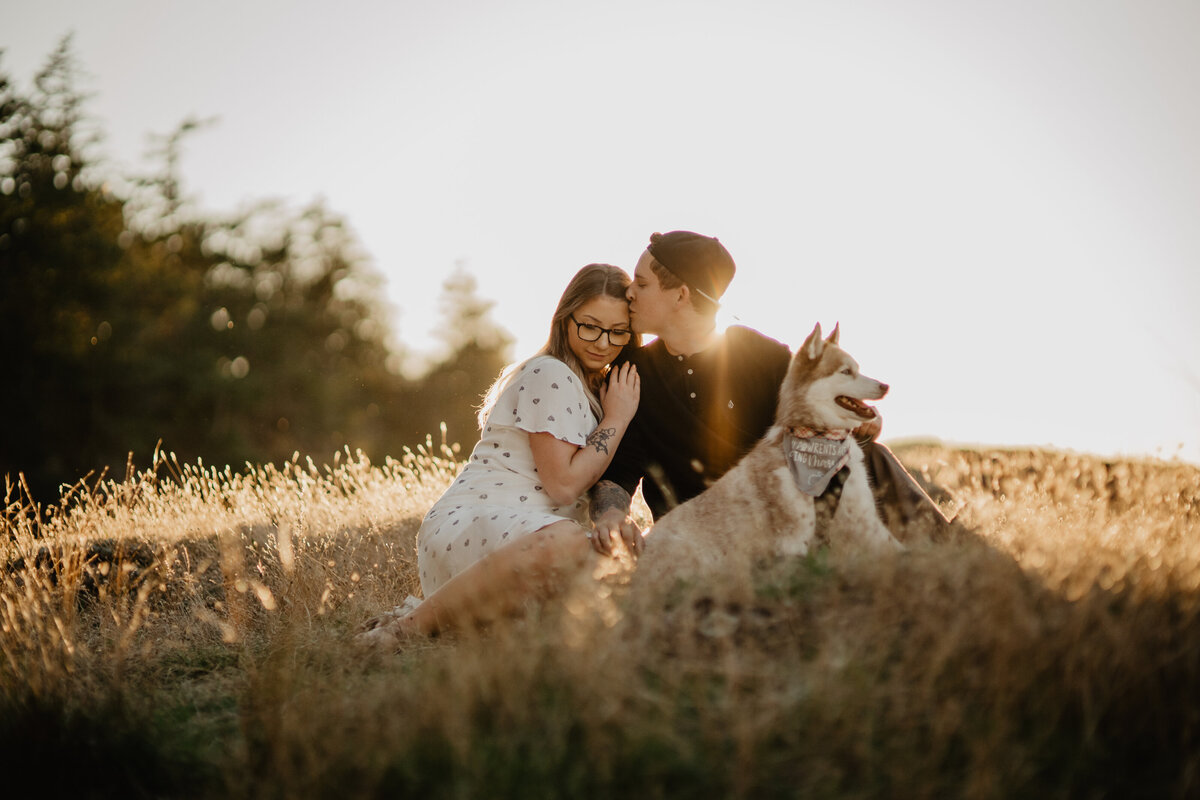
(608, 332)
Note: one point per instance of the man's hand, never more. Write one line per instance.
(869, 431)
(612, 526)
(610, 516)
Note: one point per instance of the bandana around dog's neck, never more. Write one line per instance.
(814, 457)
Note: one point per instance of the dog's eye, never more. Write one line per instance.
(847, 371)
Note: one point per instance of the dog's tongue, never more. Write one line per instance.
(860, 408)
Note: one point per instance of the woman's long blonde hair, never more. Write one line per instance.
(594, 280)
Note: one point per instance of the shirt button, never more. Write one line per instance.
(680, 358)
(693, 395)
(689, 372)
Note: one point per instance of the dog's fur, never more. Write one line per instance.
(756, 509)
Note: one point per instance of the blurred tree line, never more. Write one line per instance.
(128, 320)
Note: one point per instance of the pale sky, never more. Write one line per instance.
(998, 200)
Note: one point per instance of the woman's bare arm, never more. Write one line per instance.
(568, 470)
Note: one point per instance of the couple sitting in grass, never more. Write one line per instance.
(568, 435)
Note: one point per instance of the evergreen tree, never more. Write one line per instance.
(133, 320)
(58, 256)
(453, 390)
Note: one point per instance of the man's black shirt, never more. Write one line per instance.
(698, 415)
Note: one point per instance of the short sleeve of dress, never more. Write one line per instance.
(545, 396)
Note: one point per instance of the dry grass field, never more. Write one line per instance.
(185, 632)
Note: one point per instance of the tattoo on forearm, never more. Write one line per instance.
(606, 495)
(599, 439)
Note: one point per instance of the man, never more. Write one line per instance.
(707, 397)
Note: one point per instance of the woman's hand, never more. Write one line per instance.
(620, 393)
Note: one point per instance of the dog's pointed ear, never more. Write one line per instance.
(833, 337)
(814, 345)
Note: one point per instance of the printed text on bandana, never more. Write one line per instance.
(814, 461)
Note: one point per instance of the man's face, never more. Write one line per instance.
(649, 304)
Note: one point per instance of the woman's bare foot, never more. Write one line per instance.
(403, 610)
(379, 621)
(388, 630)
(388, 635)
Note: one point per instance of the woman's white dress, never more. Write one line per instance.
(497, 497)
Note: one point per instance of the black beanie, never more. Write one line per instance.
(700, 261)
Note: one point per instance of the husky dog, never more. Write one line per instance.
(803, 483)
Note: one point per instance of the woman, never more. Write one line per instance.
(514, 522)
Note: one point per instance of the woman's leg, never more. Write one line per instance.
(498, 585)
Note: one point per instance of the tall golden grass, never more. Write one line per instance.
(186, 631)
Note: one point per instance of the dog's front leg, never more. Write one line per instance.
(792, 514)
(856, 522)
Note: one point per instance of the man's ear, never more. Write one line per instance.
(684, 298)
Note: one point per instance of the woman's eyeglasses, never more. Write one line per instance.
(589, 333)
